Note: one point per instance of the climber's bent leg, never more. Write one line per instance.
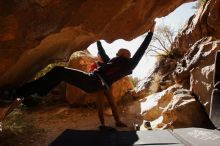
(87, 82)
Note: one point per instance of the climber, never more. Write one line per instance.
(101, 78)
(102, 59)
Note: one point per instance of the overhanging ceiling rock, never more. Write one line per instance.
(35, 33)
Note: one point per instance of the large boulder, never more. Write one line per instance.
(174, 107)
(201, 81)
(82, 61)
(199, 41)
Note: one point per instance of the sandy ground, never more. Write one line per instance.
(40, 125)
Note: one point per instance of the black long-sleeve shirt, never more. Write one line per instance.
(119, 67)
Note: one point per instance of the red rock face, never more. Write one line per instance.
(38, 32)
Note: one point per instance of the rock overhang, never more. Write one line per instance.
(38, 32)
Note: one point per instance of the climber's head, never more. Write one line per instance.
(124, 53)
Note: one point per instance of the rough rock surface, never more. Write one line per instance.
(200, 40)
(174, 108)
(201, 76)
(82, 60)
(197, 43)
(160, 79)
(203, 24)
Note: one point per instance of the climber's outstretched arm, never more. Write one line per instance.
(102, 53)
(143, 47)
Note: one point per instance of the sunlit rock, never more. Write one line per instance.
(160, 79)
(174, 108)
(201, 82)
(198, 41)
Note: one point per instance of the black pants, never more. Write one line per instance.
(86, 81)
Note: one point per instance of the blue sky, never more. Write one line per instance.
(176, 20)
